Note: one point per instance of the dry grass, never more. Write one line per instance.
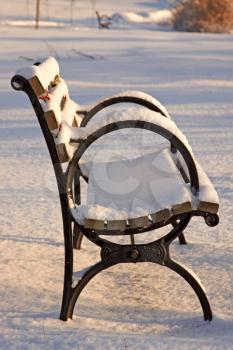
(204, 16)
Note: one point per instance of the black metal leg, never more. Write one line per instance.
(181, 236)
(198, 289)
(77, 237)
(68, 268)
(112, 254)
(182, 239)
(90, 273)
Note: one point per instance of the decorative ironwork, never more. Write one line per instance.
(114, 254)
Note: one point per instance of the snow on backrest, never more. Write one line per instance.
(53, 103)
(42, 75)
(53, 95)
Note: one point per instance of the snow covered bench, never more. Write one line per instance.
(163, 187)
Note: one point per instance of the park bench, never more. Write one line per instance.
(104, 21)
(164, 187)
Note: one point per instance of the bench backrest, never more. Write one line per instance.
(51, 97)
(58, 114)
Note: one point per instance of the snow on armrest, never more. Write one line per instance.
(129, 114)
(208, 199)
(145, 96)
(131, 93)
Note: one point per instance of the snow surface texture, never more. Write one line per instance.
(133, 307)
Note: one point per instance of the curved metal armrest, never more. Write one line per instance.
(137, 97)
(18, 83)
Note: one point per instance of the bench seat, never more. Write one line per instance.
(141, 191)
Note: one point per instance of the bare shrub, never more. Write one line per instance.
(204, 16)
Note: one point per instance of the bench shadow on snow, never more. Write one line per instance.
(31, 240)
(175, 323)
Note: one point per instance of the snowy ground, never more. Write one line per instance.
(126, 307)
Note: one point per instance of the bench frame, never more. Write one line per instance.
(112, 253)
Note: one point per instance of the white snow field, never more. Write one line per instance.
(133, 307)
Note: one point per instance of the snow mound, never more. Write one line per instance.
(160, 17)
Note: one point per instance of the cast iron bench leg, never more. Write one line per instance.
(181, 236)
(198, 289)
(182, 239)
(112, 254)
(67, 311)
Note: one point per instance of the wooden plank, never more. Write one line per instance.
(111, 225)
(51, 120)
(116, 225)
(208, 207)
(141, 221)
(63, 101)
(62, 152)
(161, 215)
(182, 208)
(36, 86)
(56, 81)
(94, 224)
(74, 123)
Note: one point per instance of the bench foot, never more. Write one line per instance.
(195, 284)
(68, 309)
(112, 254)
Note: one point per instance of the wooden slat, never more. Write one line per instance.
(182, 208)
(63, 101)
(116, 225)
(75, 124)
(36, 86)
(51, 120)
(56, 81)
(161, 215)
(94, 224)
(134, 223)
(208, 207)
(141, 221)
(62, 152)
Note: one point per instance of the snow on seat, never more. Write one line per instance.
(147, 189)
(139, 191)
